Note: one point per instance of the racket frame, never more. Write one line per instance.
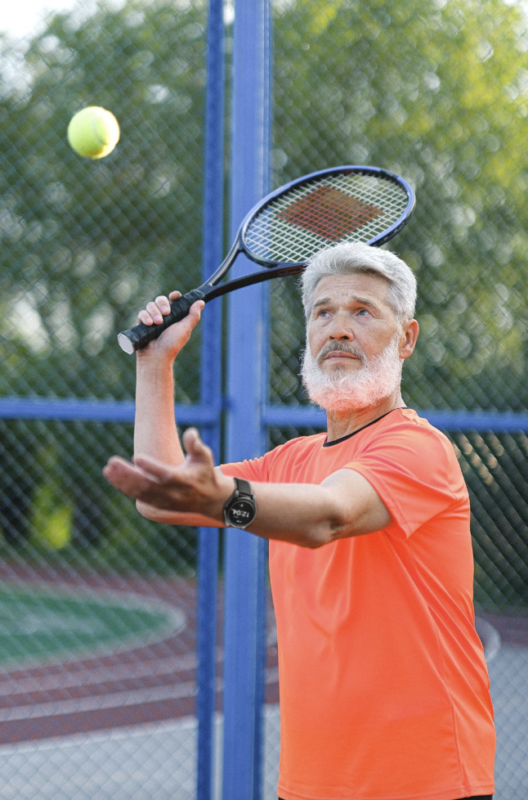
(376, 241)
(280, 269)
(212, 287)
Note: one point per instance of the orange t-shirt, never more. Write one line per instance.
(384, 690)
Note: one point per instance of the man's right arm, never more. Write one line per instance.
(155, 431)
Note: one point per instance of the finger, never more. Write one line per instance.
(153, 469)
(158, 484)
(121, 468)
(154, 311)
(115, 463)
(156, 308)
(144, 317)
(125, 476)
(139, 484)
(163, 304)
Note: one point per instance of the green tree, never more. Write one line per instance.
(86, 243)
(438, 93)
(435, 90)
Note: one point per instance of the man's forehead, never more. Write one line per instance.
(365, 284)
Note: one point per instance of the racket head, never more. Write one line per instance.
(323, 209)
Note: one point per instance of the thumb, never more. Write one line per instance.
(191, 320)
(195, 313)
(194, 447)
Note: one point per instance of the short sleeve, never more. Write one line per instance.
(260, 469)
(415, 472)
(252, 470)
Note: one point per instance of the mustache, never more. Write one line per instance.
(342, 347)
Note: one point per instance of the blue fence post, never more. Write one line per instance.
(211, 392)
(245, 555)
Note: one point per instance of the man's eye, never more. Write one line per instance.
(363, 311)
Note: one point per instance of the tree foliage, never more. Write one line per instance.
(85, 242)
(436, 90)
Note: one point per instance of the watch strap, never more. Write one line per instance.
(243, 487)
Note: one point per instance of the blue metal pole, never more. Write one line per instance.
(262, 547)
(211, 392)
(245, 555)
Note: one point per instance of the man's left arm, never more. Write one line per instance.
(309, 515)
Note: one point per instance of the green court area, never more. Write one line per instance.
(39, 624)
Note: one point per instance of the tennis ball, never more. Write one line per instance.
(93, 132)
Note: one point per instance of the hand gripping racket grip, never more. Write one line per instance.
(138, 337)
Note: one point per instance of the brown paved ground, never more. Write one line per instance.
(144, 684)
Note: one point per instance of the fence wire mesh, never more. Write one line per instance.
(435, 91)
(97, 617)
(98, 606)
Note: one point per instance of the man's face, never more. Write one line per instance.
(350, 310)
(355, 343)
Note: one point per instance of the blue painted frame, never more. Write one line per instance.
(210, 396)
(247, 408)
(205, 415)
(246, 555)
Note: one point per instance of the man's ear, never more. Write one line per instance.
(410, 332)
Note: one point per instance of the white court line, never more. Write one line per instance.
(154, 761)
(79, 677)
(178, 691)
(490, 638)
(98, 702)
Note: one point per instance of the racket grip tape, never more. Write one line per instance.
(141, 335)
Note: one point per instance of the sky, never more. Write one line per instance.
(23, 17)
(20, 18)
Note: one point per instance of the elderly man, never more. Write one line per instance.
(384, 690)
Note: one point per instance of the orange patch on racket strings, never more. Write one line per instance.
(329, 213)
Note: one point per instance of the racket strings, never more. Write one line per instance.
(324, 212)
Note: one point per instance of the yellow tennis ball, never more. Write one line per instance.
(93, 132)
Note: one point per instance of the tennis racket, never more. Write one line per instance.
(290, 225)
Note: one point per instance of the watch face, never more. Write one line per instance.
(241, 513)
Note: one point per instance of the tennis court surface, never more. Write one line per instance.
(98, 690)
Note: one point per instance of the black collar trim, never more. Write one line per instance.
(326, 443)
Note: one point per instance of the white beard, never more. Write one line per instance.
(341, 390)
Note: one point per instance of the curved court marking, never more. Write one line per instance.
(46, 623)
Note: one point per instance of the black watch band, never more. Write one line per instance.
(241, 508)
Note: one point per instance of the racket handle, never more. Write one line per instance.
(138, 337)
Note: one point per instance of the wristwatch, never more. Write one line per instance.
(241, 508)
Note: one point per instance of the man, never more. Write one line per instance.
(383, 685)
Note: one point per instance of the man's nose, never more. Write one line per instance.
(341, 328)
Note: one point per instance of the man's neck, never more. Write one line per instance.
(343, 423)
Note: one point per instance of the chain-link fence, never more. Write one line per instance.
(435, 90)
(98, 606)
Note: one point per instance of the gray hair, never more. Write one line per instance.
(354, 258)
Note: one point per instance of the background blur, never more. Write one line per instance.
(435, 90)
